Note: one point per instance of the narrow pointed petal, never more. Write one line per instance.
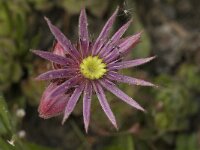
(83, 32)
(129, 43)
(120, 94)
(115, 38)
(55, 74)
(130, 63)
(130, 80)
(72, 102)
(124, 47)
(60, 89)
(104, 33)
(120, 32)
(104, 104)
(62, 39)
(50, 107)
(123, 39)
(52, 57)
(87, 96)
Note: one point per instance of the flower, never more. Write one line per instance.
(88, 68)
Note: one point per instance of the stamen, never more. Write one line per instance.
(93, 67)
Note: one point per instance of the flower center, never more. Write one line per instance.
(93, 67)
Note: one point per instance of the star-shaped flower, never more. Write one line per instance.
(88, 68)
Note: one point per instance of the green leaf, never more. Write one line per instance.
(2, 128)
(189, 74)
(97, 7)
(187, 142)
(32, 146)
(17, 72)
(5, 146)
(122, 142)
(72, 6)
(5, 116)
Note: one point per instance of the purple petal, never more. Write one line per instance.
(50, 107)
(123, 39)
(123, 48)
(62, 39)
(87, 95)
(72, 102)
(130, 63)
(104, 33)
(108, 47)
(52, 57)
(55, 74)
(104, 103)
(83, 32)
(130, 80)
(60, 89)
(120, 94)
(120, 32)
(129, 43)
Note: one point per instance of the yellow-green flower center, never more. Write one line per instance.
(93, 67)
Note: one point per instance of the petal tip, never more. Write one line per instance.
(142, 109)
(130, 21)
(37, 52)
(139, 34)
(83, 10)
(117, 9)
(47, 19)
(66, 116)
(157, 86)
(152, 85)
(48, 22)
(153, 57)
(64, 119)
(33, 51)
(37, 78)
(86, 129)
(86, 126)
(116, 126)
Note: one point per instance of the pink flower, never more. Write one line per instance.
(89, 68)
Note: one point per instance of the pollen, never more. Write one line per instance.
(93, 67)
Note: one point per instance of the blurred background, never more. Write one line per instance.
(171, 31)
